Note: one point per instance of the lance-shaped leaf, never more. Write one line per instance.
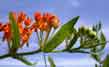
(102, 41)
(106, 62)
(72, 42)
(65, 31)
(51, 62)
(15, 31)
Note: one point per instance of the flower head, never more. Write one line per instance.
(21, 17)
(7, 32)
(43, 22)
(54, 21)
(27, 21)
(37, 16)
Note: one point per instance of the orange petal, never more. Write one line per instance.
(27, 22)
(43, 26)
(54, 21)
(24, 39)
(37, 16)
(21, 17)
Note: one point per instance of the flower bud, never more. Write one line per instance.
(81, 30)
(37, 16)
(27, 21)
(47, 16)
(92, 34)
(54, 22)
(21, 17)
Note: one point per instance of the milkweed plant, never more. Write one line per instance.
(19, 28)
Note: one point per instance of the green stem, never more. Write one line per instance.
(41, 35)
(44, 56)
(29, 53)
(43, 43)
(79, 51)
(72, 51)
(21, 54)
(46, 38)
(5, 56)
(39, 39)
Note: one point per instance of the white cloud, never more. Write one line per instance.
(75, 3)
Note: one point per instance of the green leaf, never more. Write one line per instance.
(96, 57)
(15, 31)
(106, 62)
(65, 31)
(97, 27)
(102, 41)
(24, 60)
(51, 62)
(72, 42)
(87, 42)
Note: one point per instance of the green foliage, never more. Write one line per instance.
(106, 62)
(97, 27)
(51, 62)
(15, 32)
(88, 38)
(65, 31)
(92, 39)
(102, 41)
(72, 41)
(96, 57)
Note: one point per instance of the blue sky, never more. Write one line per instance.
(90, 12)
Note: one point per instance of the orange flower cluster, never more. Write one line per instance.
(46, 21)
(42, 22)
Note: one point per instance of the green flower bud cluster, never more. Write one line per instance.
(88, 37)
(87, 31)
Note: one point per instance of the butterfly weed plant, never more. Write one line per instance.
(19, 28)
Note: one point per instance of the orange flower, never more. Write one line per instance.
(43, 26)
(34, 27)
(6, 27)
(42, 22)
(25, 30)
(24, 36)
(7, 32)
(51, 19)
(21, 17)
(27, 22)
(47, 16)
(54, 21)
(37, 16)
